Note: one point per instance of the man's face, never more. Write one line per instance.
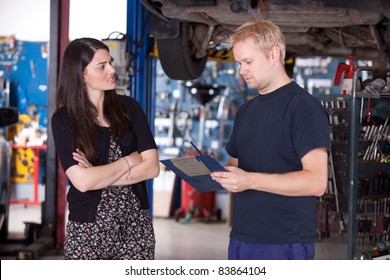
(254, 64)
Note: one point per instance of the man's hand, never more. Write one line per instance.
(234, 179)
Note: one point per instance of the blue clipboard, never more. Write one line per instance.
(196, 170)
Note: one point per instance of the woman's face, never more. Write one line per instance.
(99, 75)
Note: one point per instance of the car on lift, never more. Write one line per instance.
(189, 32)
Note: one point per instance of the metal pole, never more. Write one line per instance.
(142, 80)
(353, 167)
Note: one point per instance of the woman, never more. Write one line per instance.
(107, 151)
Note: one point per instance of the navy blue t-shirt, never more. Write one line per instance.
(271, 134)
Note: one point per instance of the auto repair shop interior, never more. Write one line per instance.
(190, 88)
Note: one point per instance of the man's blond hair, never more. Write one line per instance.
(265, 34)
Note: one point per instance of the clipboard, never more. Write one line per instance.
(196, 170)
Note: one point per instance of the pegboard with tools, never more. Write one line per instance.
(23, 69)
(333, 205)
(201, 111)
(369, 192)
(24, 65)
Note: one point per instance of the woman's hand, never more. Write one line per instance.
(135, 159)
(81, 158)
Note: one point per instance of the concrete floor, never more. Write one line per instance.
(195, 240)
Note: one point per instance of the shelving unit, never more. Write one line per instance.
(356, 143)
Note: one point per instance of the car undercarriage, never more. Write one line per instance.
(187, 31)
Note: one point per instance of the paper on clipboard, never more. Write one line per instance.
(196, 170)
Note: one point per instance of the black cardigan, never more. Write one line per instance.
(138, 137)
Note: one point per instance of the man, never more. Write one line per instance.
(278, 151)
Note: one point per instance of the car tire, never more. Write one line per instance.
(177, 56)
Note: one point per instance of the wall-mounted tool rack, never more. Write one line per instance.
(369, 163)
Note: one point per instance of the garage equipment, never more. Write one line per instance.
(203, 93)
(8, 116)
(369, 228)
(196, 204)
(339, 215)
(348, 70)
(32, 244)
(117, 43)
(381, 251)
(36, 149)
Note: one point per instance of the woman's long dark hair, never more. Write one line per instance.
(72, 95)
